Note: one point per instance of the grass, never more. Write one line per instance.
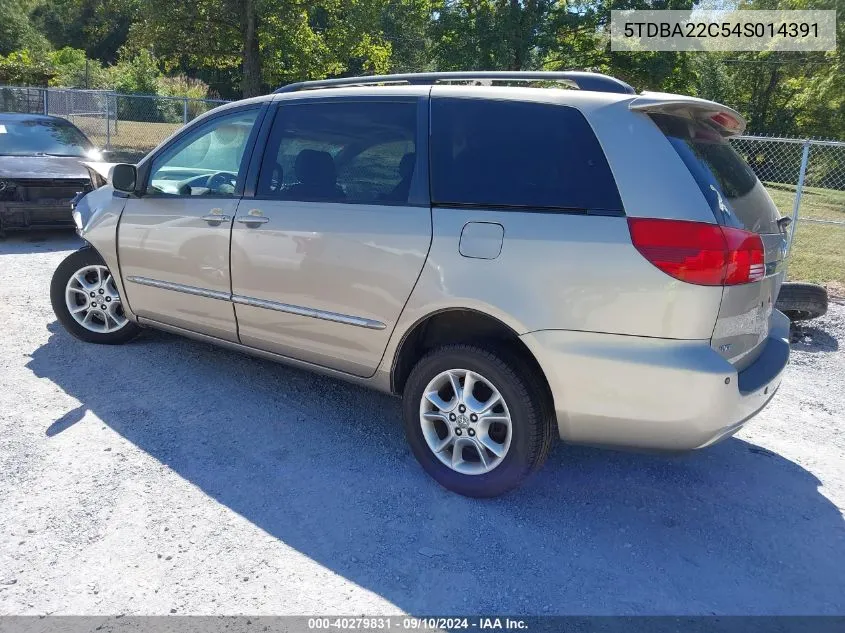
(818, 254)
(821, 204)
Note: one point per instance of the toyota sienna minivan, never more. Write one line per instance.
(517, 262)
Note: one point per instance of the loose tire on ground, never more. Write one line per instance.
(800, 301)
(532, 427)
(73, 263)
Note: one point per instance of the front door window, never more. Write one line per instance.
(209, 161)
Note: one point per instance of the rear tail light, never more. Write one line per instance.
(700, 253)
(727, 121)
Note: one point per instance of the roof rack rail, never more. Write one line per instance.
(582, 80)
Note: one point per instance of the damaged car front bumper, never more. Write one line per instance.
(39, 204)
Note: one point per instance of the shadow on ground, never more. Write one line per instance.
(323, 467)
(18, 243)
(810, 338)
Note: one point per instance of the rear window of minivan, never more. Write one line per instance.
(518, 154)
(736, 197)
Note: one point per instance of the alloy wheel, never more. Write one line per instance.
(93, 301)
(465, 421)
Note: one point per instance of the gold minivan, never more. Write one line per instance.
(518, 263)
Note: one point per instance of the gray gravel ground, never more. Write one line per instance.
(168, 476)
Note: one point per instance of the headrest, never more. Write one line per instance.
(314, 166)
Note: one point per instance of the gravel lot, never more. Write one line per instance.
(168, 476)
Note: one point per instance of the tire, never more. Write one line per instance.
(532, 427)
(802, 301)
(108, 326)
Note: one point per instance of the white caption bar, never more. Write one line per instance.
(721, 30)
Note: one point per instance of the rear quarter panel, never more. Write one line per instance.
(558, 271)
(653, 182)
(566, 271)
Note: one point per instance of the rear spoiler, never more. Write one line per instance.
(725, 120)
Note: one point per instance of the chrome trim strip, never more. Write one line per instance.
(260, 303)
(190, 290)
(309, 312)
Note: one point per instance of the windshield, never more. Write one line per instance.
(39, 136)
(736, 196)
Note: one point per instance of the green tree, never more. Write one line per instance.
(332, 38)
(16, 30)
(246, 47)
(135, 72)
(578, 39)
(784, 93)
(489, 34)
(100, 27)
(198, 37)
(75, 70)
(23, 68)
(406, 27)
(269, 43)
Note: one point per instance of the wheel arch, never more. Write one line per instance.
(457, 325)
(69, 313)
(97, 217)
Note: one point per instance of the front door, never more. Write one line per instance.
(327, 253)
(173, 240)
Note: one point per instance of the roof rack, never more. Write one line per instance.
(582, 80)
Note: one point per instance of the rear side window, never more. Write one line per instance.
(736, 196)
(516, 154)
(341, 151)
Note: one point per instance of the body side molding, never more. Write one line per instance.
(260, 303)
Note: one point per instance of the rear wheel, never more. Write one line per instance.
(476, 420)
(86, 301)
(801, 302)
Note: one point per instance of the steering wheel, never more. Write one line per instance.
(217, 181)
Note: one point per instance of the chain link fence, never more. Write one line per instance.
(806, 180)
(127, 125)
(798, 167)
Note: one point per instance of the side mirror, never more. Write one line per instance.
(124, 177)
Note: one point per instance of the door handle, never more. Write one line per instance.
(252, 219)
(215, 219)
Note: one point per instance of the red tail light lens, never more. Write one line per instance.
(746, 257)
(727, 121)
(700, 253)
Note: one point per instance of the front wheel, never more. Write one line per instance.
(477, 420)
(86, 301)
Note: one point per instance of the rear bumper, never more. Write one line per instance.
(650, 393)
(32, 215)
